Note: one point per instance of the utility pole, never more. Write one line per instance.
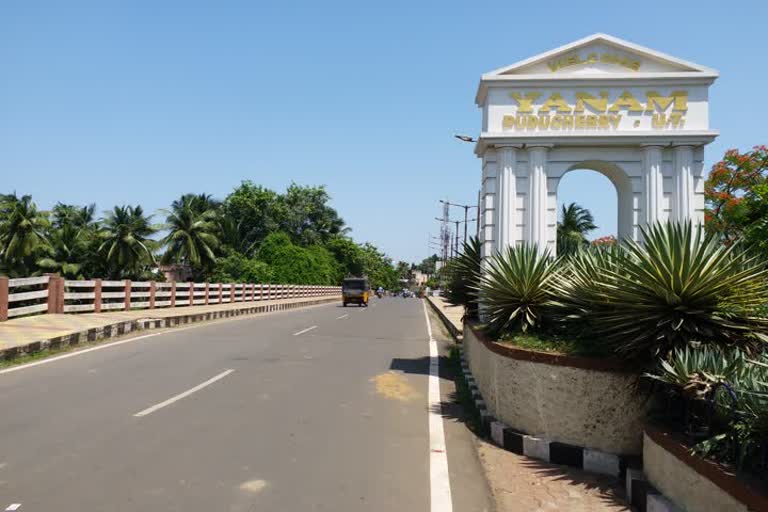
(466, 214)
(456, 240)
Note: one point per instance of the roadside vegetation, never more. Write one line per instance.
(687, 308)
(252, 235)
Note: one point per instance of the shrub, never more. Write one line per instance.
(677, 287)
(517, 287)
(727, 397)
(464, 278)
(237, 268)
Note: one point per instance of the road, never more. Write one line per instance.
(324, 408)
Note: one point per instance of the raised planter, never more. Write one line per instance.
(693, 482)
(591, 403)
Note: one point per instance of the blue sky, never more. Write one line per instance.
(141, 101)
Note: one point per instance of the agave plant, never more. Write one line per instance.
(677, 287)
(696, 370)
(517, 287)
(464, 278)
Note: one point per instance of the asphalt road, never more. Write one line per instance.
(324, 409)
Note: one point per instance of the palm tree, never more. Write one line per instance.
(127, 247)
(191, 238)
(22, 234)
(572, 228)
(76, 216)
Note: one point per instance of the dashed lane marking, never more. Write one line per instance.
(150, 410)
(305, 330)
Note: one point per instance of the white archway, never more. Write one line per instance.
(637, 116)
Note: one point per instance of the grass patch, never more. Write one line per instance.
(464, 397)
(554, 344)
(44, 354)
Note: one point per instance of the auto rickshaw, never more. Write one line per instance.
(355, 290)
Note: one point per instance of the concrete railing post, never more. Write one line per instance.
(3, 298)
(97, 295)
(207, 292)
(127, 285)
(221, 293)
(232, 292)
(55, 294)
(152, 289)
(173, 294)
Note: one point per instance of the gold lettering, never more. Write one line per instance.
(591, 121)
(543, 122)
(525, 103)
(567, 122)
(661, 103)
(627, 100)
(603, 122)
(597, 104)
(579, 122)
(556, 122)
(659, 120)
(531, 122)
(615, 120)
(508, 122)
(557, 102)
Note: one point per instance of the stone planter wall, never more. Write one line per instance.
(692, 482)
(592, 403)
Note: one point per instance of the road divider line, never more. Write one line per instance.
(439, 478)
(14, 506)
(342, 317)
(304, 330)
(185, 394)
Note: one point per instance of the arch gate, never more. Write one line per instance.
(637, 116)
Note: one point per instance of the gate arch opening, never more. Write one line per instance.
(622, 186)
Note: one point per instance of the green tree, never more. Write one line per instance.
(127, 248)
(191, 238)
(348, 254)
(249, 214)
(22, 235)
(237, 268)
(305, 215)
(572, 228)
(293, 264)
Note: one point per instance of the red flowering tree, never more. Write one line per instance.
(736, 195)
(604, 241)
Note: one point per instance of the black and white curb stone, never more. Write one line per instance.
(641, 495)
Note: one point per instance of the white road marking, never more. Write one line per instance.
(439, 478)
(342, 316)
(102, 346)
(185, 394)
(305, 330)
(14, 506)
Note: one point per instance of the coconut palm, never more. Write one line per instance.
(572, 228)
(192, 233)
(73, 215)
(22, 234)
(127, 247)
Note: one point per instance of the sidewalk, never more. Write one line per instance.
(450, 315)
(33, 333)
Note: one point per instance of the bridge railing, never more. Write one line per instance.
(53, 294)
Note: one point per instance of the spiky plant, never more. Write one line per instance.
(517, 287)
(676, 287)
(464, 278)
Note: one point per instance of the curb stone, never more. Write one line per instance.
(640, 494)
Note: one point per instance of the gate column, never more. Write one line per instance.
(536, 225)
